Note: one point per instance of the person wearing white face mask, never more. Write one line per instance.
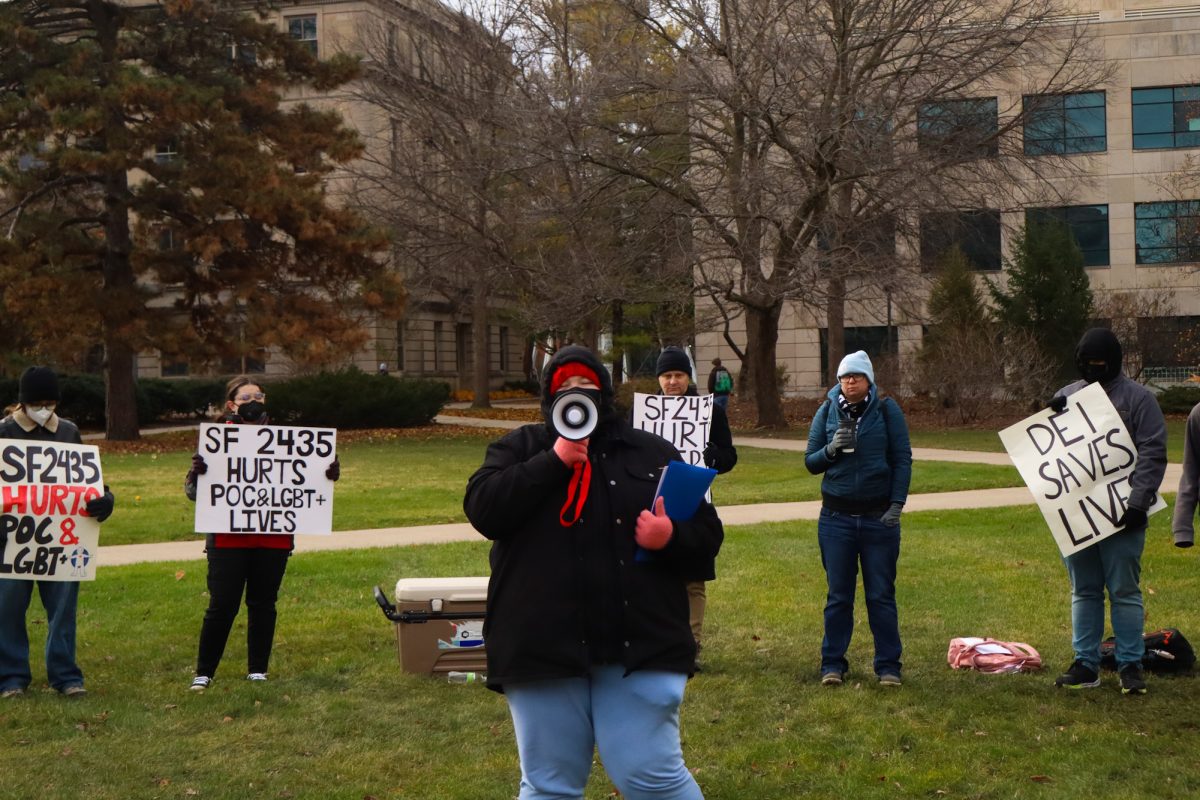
(252, 564)
(35, 418)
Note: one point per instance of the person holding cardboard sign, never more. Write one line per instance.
(588, 642)
(237, 562)
(675, 380)
(859, 440)
(1115, 562)
(35, 417)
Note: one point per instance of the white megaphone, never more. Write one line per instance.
(574, 415)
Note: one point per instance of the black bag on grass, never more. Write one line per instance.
(1167, 653)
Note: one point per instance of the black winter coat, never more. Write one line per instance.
(562, 599)
(66, 431)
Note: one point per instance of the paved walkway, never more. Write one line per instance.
(730, 515)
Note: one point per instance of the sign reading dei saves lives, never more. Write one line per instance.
(1078, 464)
(265, 479)
(45, 533)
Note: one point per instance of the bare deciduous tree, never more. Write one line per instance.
(815, 123)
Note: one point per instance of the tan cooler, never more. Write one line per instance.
(439, 624)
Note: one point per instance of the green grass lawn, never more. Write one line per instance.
(338, 719)
(421, 482)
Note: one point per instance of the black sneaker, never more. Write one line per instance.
(1078, 676)
(1132, 680)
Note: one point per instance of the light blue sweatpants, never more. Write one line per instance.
(634, 721)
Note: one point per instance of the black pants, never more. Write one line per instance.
(260, 571)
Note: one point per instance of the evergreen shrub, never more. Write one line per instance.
(351, 398)
(1179, 399)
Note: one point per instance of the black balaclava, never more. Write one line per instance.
(1099, 345)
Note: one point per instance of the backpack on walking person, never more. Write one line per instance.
(724, 382)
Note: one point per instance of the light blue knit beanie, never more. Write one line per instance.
(858, 362)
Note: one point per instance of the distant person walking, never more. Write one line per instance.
(720, 384)
(859, 440)
(35, 418)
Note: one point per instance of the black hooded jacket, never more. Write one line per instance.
(562, 599)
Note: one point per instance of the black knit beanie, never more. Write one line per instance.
(38, 385)
(673, 359)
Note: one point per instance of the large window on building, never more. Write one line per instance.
(1168, 232)
(304, 30)
(1167, 116)
(977, 233)
(1088, 224)
(1064, 123)
(964, 127)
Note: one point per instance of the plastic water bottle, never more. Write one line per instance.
(465, 677)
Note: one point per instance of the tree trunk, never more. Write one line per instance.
(480, 378)
(618, 352)
(762, 334)
(835, 332)
(527, 367)
(120, 397)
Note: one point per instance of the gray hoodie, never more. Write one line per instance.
(1143, 418)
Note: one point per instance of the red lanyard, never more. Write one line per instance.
(581, 479)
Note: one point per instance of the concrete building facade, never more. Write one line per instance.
(433, 338)
(1133, 209)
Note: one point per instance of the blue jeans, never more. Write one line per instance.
(60, 599)
(846, 541)
(722, 400)
(1114, 563)
(634, 721)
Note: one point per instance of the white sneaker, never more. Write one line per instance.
(200, 683)
(256, 676)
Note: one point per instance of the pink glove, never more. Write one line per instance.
(654, 530)
(571, 453)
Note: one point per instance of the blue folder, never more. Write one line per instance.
(682, 487)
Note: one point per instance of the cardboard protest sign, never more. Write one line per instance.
(683, 421)
(265, 479)
(1077, 463)
(45, 533)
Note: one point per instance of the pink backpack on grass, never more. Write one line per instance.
(990, 655)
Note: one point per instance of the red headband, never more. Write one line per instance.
(569, 370)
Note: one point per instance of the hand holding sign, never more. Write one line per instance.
(101, 507)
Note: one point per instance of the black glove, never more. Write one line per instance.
(891, 517)
(199, 465)
(101, 507)
(335, 470)
(1057, 404)
(1132, 519)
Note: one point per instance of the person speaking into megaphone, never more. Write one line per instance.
(590, 645)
